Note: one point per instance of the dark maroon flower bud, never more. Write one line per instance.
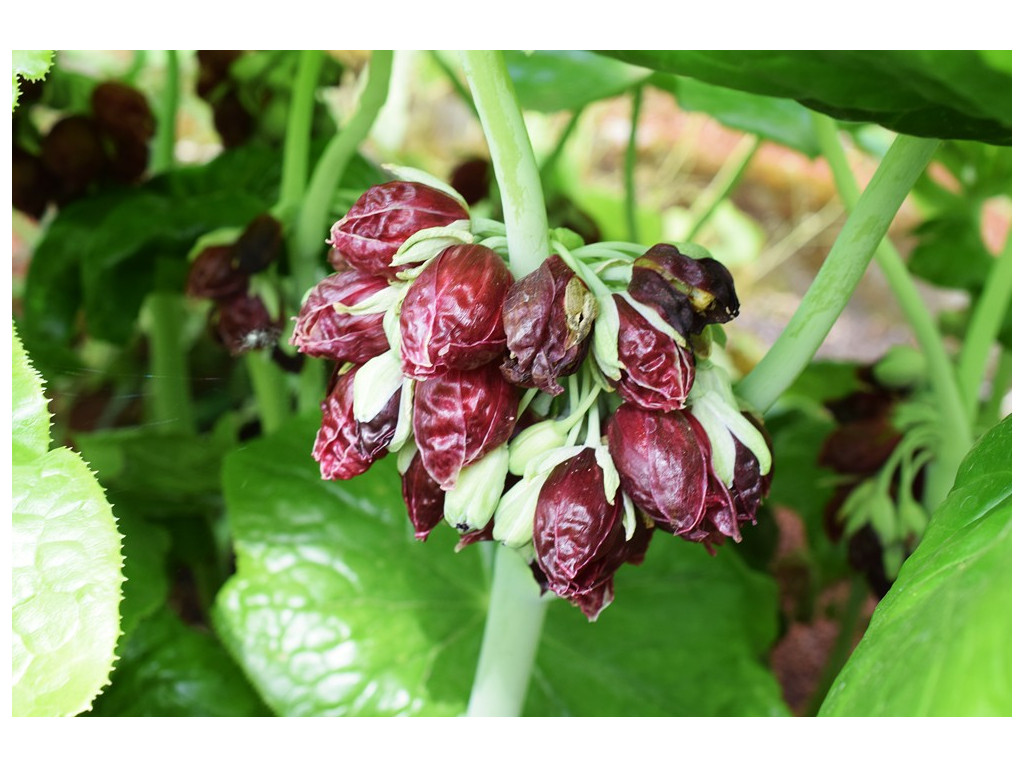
(475, 537)
(123, 113)
(720, 520)
(662, 460)
(232, 120)
(472, 179)
(73, 153)
(547, 318)
(384, 218)
(243, 324)
(214, 69)
(344, 446)
(451, 316)
(32, 184)
(259, 245)
(214, 275)
(860, 447)
(423, 497)
(129, 160)
(322, 331)
(657, 373)
(749, 486)
(459, 416)
(579, 537)
(688, 293)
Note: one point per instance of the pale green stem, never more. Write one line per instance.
(166, 126)
(312, 225)
(957, 435)
(170, 395)
(295, 166)
(839, 275)
(269, 386)
(632, 227)
(551, 160)
(511, 635)
(725, 181)
(515, 166)
(983, 329)
(515, 614)
(991, 412)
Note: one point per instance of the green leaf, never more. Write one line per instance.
(950, 253)
(168, 669)
(685, 636)
(780, 120)
(939, 643)
(337, 610)
(164, 474)
(28, 65)
(146, 585)
(30, 418)
(549, 81)
(66, 566)
(940, 94)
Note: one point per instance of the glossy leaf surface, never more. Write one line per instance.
(939, 642)
(337, 609)
(549, 81)
(66, 571)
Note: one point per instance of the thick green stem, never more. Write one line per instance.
(515, 618)
(166, 126)
(957, 435)
(515, 167)
(983, 329)
(725, 181)
(632, 227)
(839, 275)
(515, 615)
(312, 224)
(295, 165)
(551, 160)
(170, 396)
(268, 384)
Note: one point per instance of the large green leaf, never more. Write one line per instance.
(29, 65)
(549, 81)
(943, 94)
(686, 635)
(337, 610)
(30, 418)
(780, 120)
(939, 642)
(168, 669)
(66, 569)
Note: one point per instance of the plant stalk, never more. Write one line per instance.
(957, 435)
(632, 227)
(167, 121)
(515, 614)
(983, 329)
(312, 222)
(268, 384)
(170, 396)
(515, 618)
(839, 275)
(515, 166)
(295, 165)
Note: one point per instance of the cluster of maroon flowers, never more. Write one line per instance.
(552, 413)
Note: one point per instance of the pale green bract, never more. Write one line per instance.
(66, 565)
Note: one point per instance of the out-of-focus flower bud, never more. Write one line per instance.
(214, 275)
(123, 113)
(423, 497)
(547, 318)
(32, 184)
(656, 372)
(384, 217)
(243, 324)
(472, 179)
(579, 537)
(688, 293)
(259, 245)
(346, 447)
(322, 331)
(459, 417)
(451, 316)
(73, 153)
(662, 464)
